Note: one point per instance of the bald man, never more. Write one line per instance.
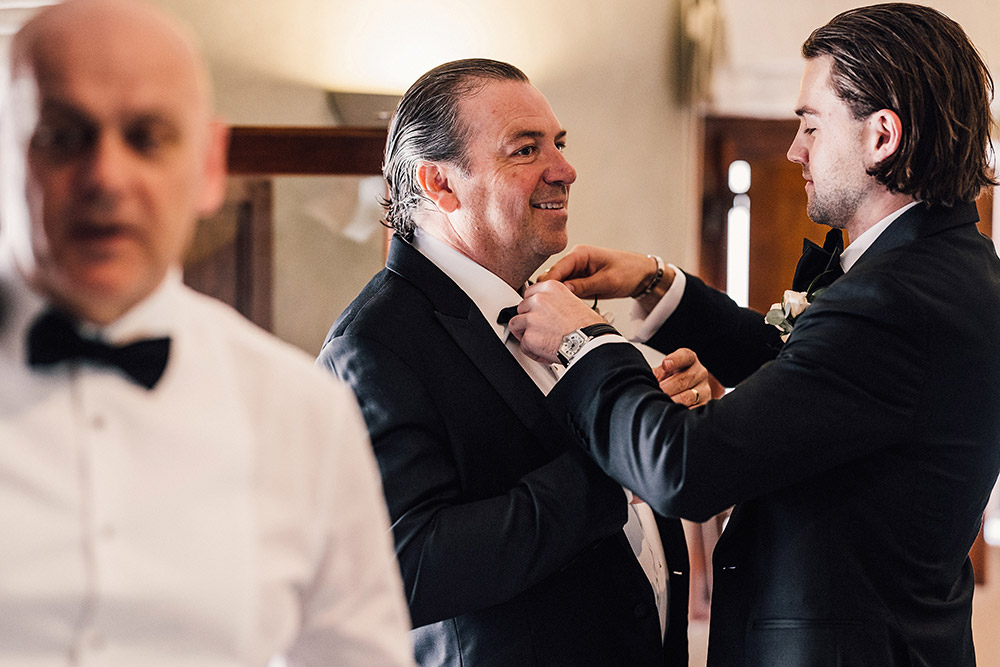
(176, 487)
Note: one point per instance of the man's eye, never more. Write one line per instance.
(526, 151)
(560, 146)
(63, 141)
(809, 130)
(148, 139)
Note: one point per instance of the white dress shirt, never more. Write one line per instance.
(232, 515)
(491, 294)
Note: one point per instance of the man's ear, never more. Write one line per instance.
(213, 186)
(883, 134)
(434, 181)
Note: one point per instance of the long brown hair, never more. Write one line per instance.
(917, 62)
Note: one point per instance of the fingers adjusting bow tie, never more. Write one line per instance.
(818, 267)
(53, 339)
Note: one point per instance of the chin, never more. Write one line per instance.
(102, 293)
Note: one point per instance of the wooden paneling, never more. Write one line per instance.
(230, 257)
(306, 150)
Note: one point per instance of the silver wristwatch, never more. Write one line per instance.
(574, 341)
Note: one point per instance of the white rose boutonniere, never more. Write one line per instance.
(783, 315)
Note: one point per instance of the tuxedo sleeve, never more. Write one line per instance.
(732, 342)
(457, 554)
(831, 395)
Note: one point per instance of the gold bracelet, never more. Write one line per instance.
(656, 278)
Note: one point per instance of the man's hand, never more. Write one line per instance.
(548, 312)
(683, 378)
(591, 272)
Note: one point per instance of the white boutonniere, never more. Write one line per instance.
(783, 315)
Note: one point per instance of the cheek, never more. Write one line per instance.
(173, 201)
(48, 201)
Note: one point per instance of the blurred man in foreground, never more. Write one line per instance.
(177, 487)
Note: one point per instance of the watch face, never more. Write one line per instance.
(572, 343)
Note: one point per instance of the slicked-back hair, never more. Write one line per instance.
(918, 63)
(427, 126)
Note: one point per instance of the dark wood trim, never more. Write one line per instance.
(305, 150)
(254, 252)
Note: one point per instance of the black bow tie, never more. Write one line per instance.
(819, 267)
(506, 314)
(53, 338)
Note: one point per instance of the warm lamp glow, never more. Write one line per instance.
(390, 43)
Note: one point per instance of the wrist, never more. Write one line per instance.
(650, 280)
(647, 302)
(574, 341)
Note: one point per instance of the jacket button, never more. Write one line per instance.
(640, 610)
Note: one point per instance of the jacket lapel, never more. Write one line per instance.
(465, 324)
(919, 222)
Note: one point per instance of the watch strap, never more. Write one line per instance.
(600, 329)
(589, 333)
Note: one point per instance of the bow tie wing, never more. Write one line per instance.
(818, 267)
(506, 314)
(144, 361)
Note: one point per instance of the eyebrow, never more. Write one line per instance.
(534, 134)
(59, 108)
(806, 111)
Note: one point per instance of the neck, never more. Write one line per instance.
(879, 208)
(515, 270)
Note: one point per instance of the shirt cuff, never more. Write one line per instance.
(594, 343)
(647, 325)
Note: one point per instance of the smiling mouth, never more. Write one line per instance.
(550, 206)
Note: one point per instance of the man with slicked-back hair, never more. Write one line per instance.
(515, 549)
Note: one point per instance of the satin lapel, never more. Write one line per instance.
(919, 222)
(506, 376)
(465, 324)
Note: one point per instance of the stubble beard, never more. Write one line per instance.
(833, 209)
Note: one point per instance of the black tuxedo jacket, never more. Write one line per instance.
(509, 538)
(860, 457)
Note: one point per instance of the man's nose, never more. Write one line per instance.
(797, 152)
(110, 163)
(561, 171)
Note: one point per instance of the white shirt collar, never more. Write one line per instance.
(487, 290)
(156, 315)
(858, 246)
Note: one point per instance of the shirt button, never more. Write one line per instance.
(107, 532)
(97, 422)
